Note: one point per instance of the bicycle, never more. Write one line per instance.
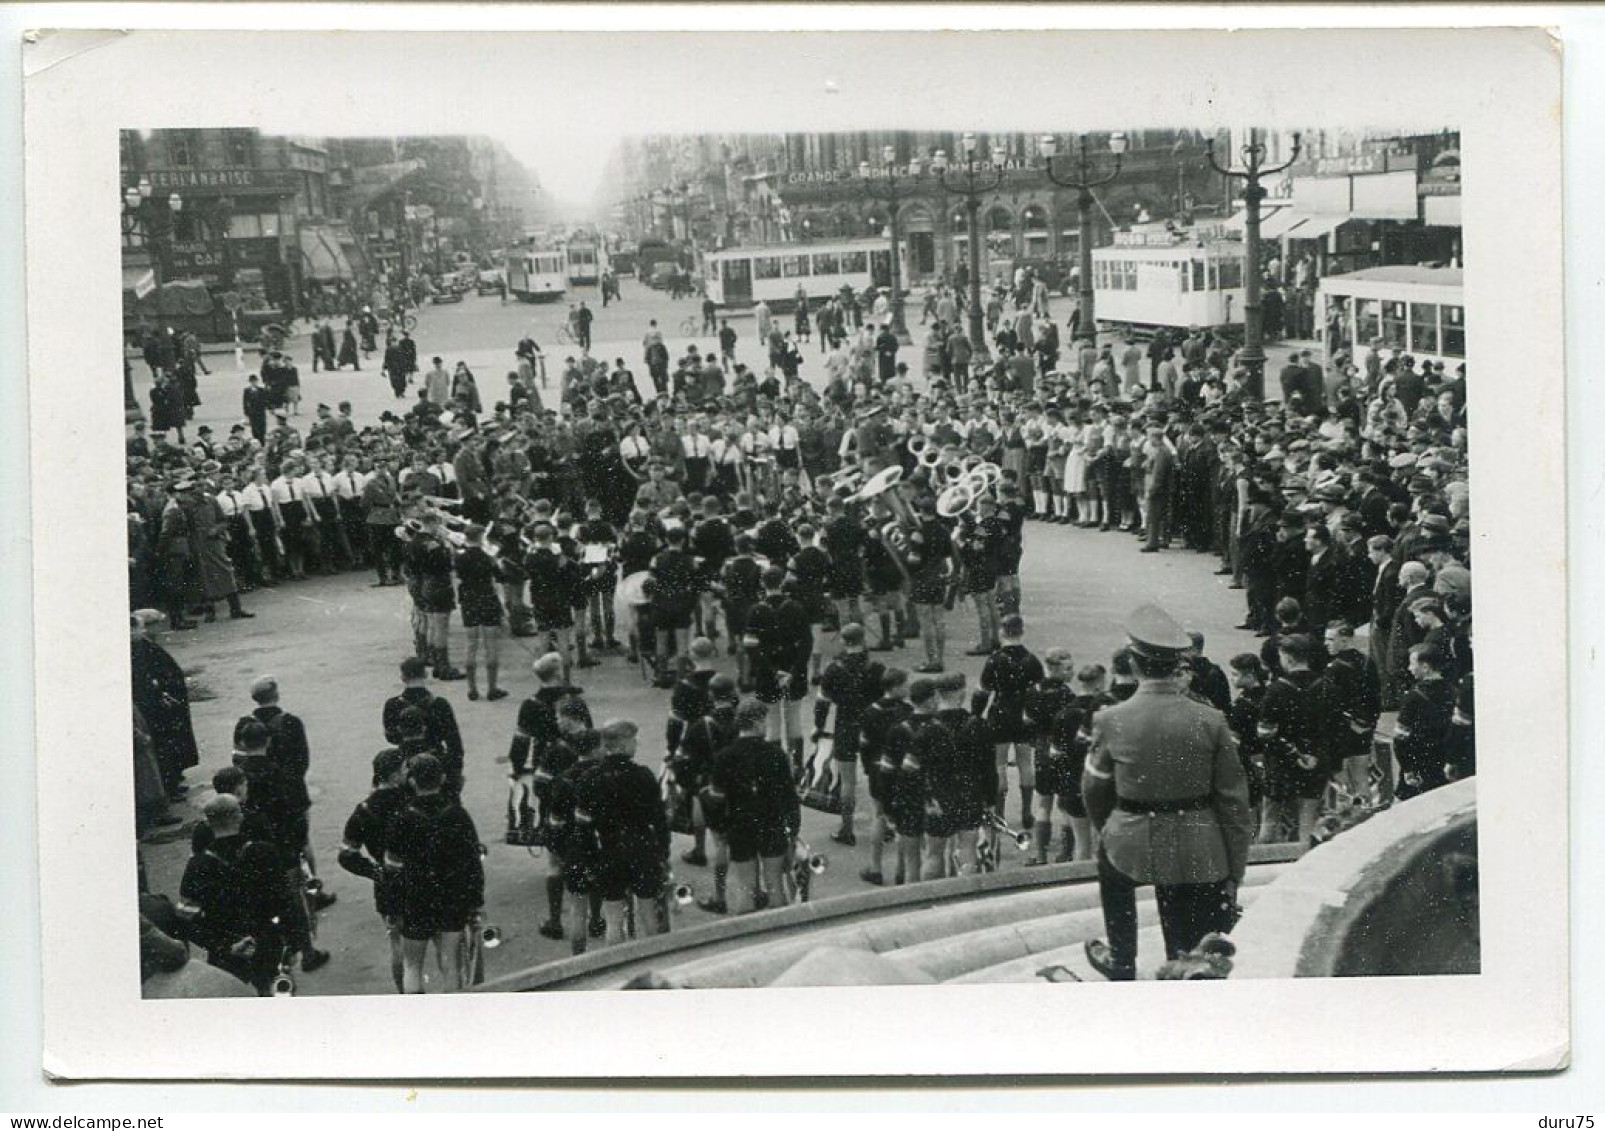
(565, 336)
(401, 321)
(690, 326)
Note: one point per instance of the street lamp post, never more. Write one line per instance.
(1083, 183)
(973, 185)
(893, 196)
(1254, 170)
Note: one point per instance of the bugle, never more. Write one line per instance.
(1022, 840)
(917, 446)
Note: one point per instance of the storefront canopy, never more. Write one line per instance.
(321, 254)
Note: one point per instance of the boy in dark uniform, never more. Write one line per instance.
(1421, 735)
(1058, 769)
(880, 719)
(1348, 698)
(693, 764)
(850, 684)
(905, 787)
(753, 775)
(742, 581)
(362, 851)
(1295, 776)
(1006, 680)
(691, 700)
(570, 755)
(621, 802)
(781, 642)
(972, 782)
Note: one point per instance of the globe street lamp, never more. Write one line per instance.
(1083, 182)
(893, 196)
(972, 185)
(1254, 170)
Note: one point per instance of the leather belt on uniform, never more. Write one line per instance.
(1169, 805)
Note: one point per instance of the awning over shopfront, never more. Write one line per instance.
(321, 254)
(140, 280)
(1290, 223)
(1273, 221)
(1315, 227)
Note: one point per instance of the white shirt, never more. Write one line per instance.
(348, 484)
(287, 490)
(635, 447)
(228, 502)
(695, 445)
(724, 452)
(312, 486)
(254, 497)
(785, 438)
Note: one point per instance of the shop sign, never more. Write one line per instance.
(217, 182)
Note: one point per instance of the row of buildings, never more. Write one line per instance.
(1351, 199)
(289, 223)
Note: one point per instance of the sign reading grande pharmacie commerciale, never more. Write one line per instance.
(217, 181)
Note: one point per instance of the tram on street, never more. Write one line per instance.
(1168, 279)
(536, 276)
(582, 256)
(740, 277)
(1399, 309)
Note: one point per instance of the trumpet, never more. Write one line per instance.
(283, 984)
(917, 446)
(1022, 840)
(845, 482)
(815, 862)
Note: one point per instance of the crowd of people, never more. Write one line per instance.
(814, 532)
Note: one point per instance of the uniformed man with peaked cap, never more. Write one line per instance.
(1165, 787)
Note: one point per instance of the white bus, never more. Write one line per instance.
(536, 276)
(583, 259)
(739, 277)
(1415, 310)
(1180, 285)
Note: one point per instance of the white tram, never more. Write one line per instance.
(536, 276)
(1149, 280)
(739, 277)
(1400, 309)
(583, 255)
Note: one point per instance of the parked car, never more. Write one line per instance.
(1054, 272)
(489, 282)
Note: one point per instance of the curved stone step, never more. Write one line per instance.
(758, 965)
(954, 957)
(1073, 956)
